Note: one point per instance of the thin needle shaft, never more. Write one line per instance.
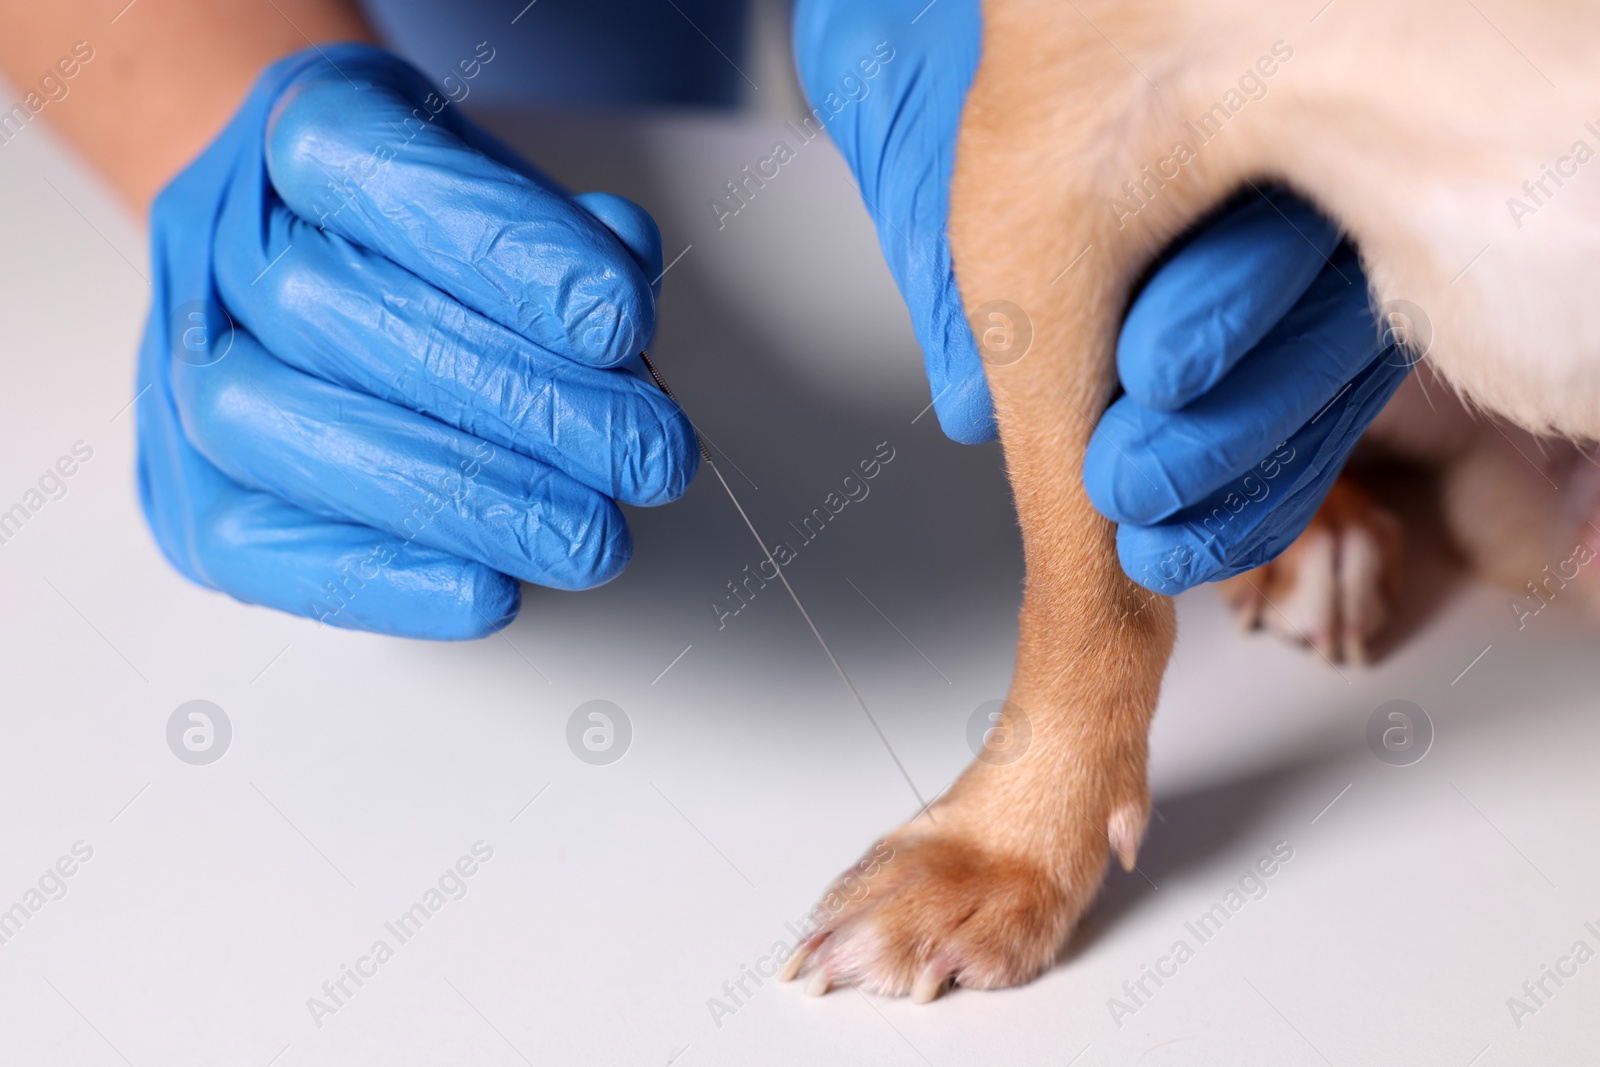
(705, 454)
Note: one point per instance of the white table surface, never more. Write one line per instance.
(219, 898)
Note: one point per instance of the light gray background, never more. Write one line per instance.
(220, 897)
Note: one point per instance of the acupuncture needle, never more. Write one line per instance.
(705, 454)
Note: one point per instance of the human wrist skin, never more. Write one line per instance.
(151, 83)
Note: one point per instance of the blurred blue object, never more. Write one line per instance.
(580, 53)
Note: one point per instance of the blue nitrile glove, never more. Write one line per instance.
(888, 78)
(383, 377)
(1252, 365)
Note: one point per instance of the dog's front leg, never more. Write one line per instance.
(985, 887)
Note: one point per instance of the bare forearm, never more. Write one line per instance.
(148, 91)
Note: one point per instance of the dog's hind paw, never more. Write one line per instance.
(1334, 586)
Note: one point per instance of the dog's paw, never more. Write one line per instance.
(939, 909)
(1333, 588)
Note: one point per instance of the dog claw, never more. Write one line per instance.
(818, 984)
(802, 952)
(791, 970)
(1124, 830)
(929, 984)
